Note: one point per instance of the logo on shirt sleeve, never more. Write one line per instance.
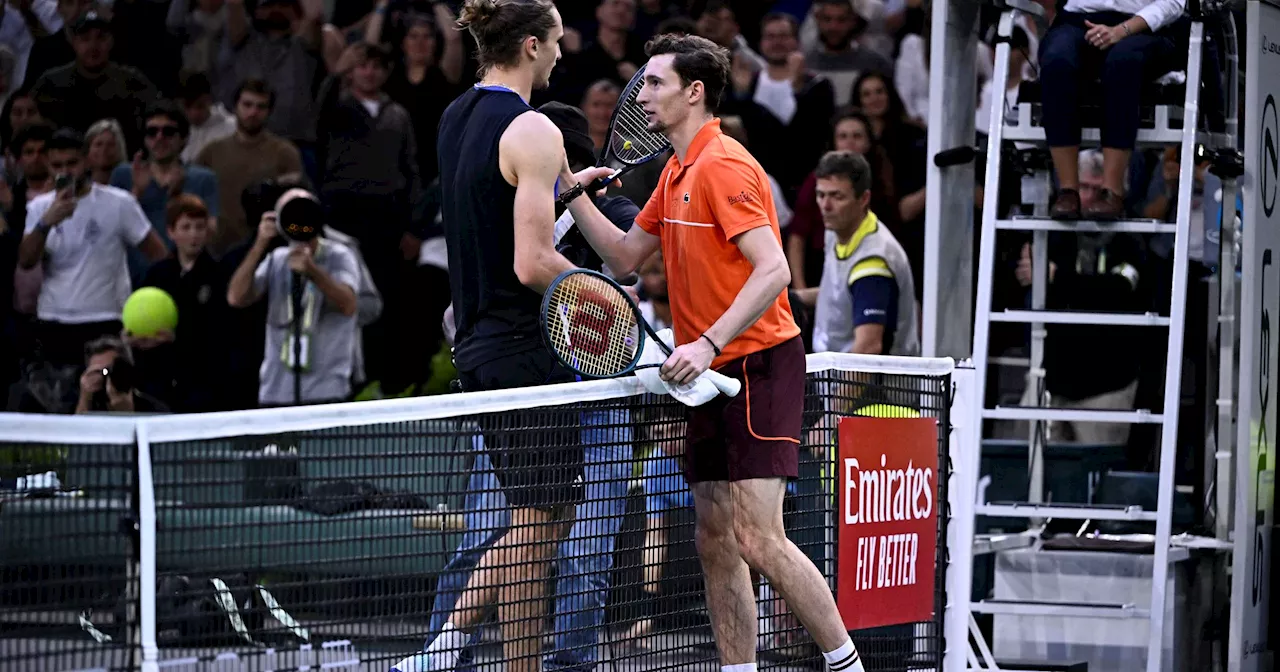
(873, 312)
(742, 197)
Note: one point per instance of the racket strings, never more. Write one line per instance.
(592, 326)
(631, 140)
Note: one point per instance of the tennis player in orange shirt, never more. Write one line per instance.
(713, 216)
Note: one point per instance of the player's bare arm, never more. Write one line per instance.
(770, 276)
(622, 252)
(531, 153)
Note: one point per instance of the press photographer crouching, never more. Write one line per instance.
(310, 285)
(109, 382)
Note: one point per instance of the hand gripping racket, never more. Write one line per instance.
(594, 329)
(630, 141)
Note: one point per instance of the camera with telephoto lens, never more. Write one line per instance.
(299, 216)
(121, 375)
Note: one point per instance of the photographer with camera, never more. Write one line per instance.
(310, 286)
(109, 382)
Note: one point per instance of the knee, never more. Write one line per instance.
(1059, 56)
(713, 539)
(1124, 65)
(759, 545)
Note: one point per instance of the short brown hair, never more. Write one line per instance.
(849, 165)
(697, 59)
(185, 205)
(501, 26)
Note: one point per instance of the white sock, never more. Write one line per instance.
(844, 659)
(741, 667)
(450, 638)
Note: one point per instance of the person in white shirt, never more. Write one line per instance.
(1126, 43)
(80, 232)
(1019, 44)
(208, 120)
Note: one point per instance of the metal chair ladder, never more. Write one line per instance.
(1172, 125)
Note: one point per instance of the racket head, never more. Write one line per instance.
(591, 325)
(631, 143)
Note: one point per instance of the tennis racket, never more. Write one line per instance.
(631, 144)
(596, 330)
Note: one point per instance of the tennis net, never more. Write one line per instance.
(341, 537)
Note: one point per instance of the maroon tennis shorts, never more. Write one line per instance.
(757, 433)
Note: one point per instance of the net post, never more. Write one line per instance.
(147, 556)
(965, 451)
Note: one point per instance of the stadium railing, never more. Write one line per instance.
(322, 536)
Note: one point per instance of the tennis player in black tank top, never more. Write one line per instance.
(501, 167)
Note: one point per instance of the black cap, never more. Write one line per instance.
(573, 126)
(90, 19)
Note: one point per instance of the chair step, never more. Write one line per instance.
(1032, 413)
(1085, 226)
(1054, 608)
(1147, 137)
(1080, 317)
(1064, 511)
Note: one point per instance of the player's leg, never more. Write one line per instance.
(762, 539)
(586, 556)
(524, 562)
(731, 602)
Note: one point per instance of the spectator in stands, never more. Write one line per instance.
(281, 47)
(1098, 273)
(18, 110)
(193, 357)
(109, 381)
(904, 144)
(866, 301)
(93, 87)
(30, 175)
(426, 77)
(80, 233)
(104, 147)
(200, 26)
(20, 24)
(248, 156)
(1125, 44)
(598, 104)
(207, 120)
(326, 318)
(806, 237)
(613, 53)
(784, 102)
(650, 14)
(157, 175)
(371, 191)
(1006, 104)
(718, 22)
(53, 48)
(840, 57)
(911, 73)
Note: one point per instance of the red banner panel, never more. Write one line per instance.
(887, 520)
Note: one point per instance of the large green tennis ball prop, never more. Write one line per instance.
(149, 311)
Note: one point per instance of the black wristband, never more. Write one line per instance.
(713, 344)
(572, 193)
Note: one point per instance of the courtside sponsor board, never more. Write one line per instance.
(887, 520)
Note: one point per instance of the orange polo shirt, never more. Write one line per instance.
(719, 192)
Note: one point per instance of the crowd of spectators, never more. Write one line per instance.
(187, 119)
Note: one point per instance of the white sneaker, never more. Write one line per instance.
(438, 661)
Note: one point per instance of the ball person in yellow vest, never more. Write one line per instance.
(866, 300)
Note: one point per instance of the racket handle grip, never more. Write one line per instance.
(727, 386)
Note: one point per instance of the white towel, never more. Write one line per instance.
(697, 393)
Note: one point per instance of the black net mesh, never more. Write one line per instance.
(68, 557)
(349, 547)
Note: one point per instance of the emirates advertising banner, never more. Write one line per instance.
(888, 525)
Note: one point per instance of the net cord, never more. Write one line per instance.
(28, 428)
